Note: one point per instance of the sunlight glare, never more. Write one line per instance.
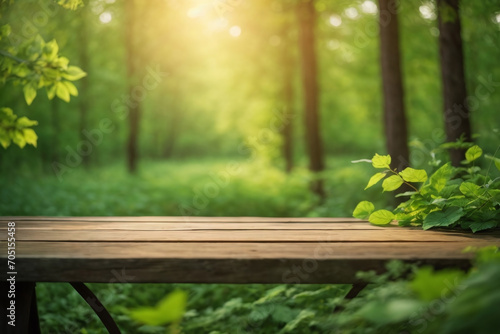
(105, 17)
(496, 18)
(195, 12)
(427, 11)
(335, 20)
(369, 7)
(351, 13)
(235, 31)
(333, 44)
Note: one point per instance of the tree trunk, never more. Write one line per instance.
(307, 18)
(395, 124)
(288, 113)
(134, 103)
(84, 82)
(456, 110)
(56, 130)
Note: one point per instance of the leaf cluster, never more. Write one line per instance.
(451, 197)
(33, 64)
(17, 130)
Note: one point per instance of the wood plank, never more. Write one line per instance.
(180, 226)
(253, 235)
(250, 250)
(222, 263)
(184, 219)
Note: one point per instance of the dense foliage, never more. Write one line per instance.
(452, 196)
(407, 298)
(32, 64)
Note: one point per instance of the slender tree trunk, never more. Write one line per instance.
(173, 130)
(84, 82)
(456, 110)
(395, 124)
(175, 123)
(134, 103)
(288, 113)
(307, 18)
(56, 130)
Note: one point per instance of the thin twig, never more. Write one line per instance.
(8, 55)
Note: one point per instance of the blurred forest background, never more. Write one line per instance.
(233, 107)
(177, 90)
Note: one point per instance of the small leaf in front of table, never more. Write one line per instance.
(363, 210)
(443, 218)
(392, 183)
(381, 217)
(169, 309)
(414, 175)
(381, 161)
(374, 179)
(473, 153)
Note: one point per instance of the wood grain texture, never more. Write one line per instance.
(249, 235)
(223, 249)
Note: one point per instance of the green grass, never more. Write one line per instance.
(160, 188)
(163, 187)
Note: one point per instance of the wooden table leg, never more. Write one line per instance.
(355, 290)
(23, 313)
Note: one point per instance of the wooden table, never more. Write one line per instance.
(222, 249)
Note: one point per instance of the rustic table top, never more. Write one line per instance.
(223, 249)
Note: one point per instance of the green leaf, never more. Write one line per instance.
(381, 161)
(25, 122)
(363, 210)
(51, 91)
(470, 189)
(413, 175)
(30, 136)
(430, 285)
(62, 91)
(439, 178)
(170, 309)
(74, 73)
(406, 193)
(18, 138)
(291, 327)
(392, 183)
(381, 217)
(482, 225)
(4, 138)
(443, 218)
(495, 160)
(29, 92)
(71, 88)
(391, 311)
(374, 179)
(473, 153)
(51, 49)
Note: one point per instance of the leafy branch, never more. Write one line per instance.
(450, 197)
